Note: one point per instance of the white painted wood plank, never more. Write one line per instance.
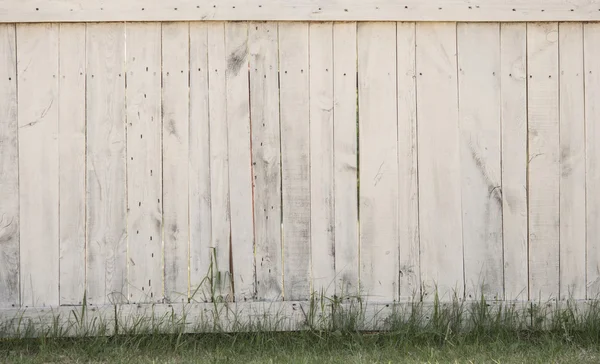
(272, 316)
(106, 165)
(199, 161)
(440, 217)
(266, 163)
(219, 161)
(176, 127)
(378, 161)
(295, 158)
(64, 321)
(144, 167)
(9, 170)
(480, 158)
(240, 161)
(71, 126)
(345, 159)
(37, 68)
(513, 54)
(544, 177)
(592, 152)
(353, 10)
(408, 188)
(322, 208)
(572, 162)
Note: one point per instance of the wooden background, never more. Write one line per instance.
(190, 161)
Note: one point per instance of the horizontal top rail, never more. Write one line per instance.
(25, 11)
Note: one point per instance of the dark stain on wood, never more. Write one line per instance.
(237, 59)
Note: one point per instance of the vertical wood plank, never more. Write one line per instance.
(37, 55)
(378, 161)
(345, 159)
(240, 161)
(106, 166)
(572, 162)
(408, 189)
(543, 134)
(72, 163)
(513, 54)
(480, 158)
(592, 152)
(219, 160)
(144, 167)
(264, 109)
(322, 208)
(199, 161)
(175, 131)
(295, 158)
(440, 217)
(9, 170)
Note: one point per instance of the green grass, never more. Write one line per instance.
(303, 347)
(445, 333)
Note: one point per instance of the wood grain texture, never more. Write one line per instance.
(37, 68)
(71, 126)
(544, 170)
(322, 208)
(266, 162)
(572, 162)
(378, 161)
(345, 159)
(199, 162)
(513, 54)
(219, 161)
(175, 157)
(9, 171)
(592, 152)
(144, 163)
(440, 216)
(408, 188)
(106, 165)
(344, 10)
(240, 161)
(295, 158)
(480, 158)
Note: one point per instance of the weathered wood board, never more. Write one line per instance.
(106, 207)
(38, 114)
(543, 159)
(9, 171)
(378, 161)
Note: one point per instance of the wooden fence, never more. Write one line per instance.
(192, 161)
